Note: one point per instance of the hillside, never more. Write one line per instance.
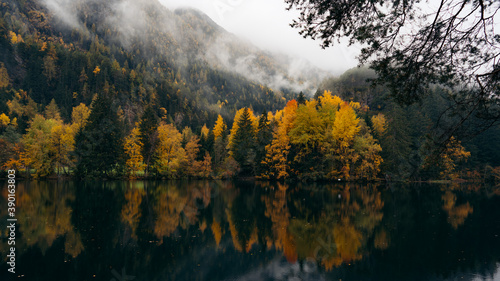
(183, 60)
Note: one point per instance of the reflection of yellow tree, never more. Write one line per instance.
(174, 209)
(360, 212)
(456, 214)
(234, 232)
(168, 211)
(217, 231)
(130, 214)
(348, 241)
(277, 211)
(342, 231)
(47, 214)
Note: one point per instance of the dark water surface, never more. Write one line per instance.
(215, 230)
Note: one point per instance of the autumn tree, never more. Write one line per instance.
(219, 127)
(345, 128)
(52, 111)
(133, 147)
(279, 149)
(368, 160)
(169, 154)
(308, 135)
(37, 146)
(220, 142)
(192, 149)
(4, 77)
(62, 146)
(79, 117)
(451, 156)
(411, 48)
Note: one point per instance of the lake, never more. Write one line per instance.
(245, 230)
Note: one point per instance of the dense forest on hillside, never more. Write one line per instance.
(102, 99)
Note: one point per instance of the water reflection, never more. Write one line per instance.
(214, 230)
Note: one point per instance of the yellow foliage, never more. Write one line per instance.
(456, 214)
(96, 71)
(169, 151)
(62, 144)
(453, 154)
(4, 120)
(133, 146)
(44, 47)
(329, 106)
(308, 127)
(15, 38)
(345, 128)
(205, 131)
(379, 123)
(277, 152)
(79, 116)
(4, 77)
(219, 127)
(327, 100)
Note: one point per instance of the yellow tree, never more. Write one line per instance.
(4, 120)
(192, 149)
(79, 116)
(62, 145)
(379, 123)
(4, 77)
(345, 128)
(170, 154)
(219, 127)
(133, 147)
(52, 111)
(277, 152)
(205, 131)
(452, 155)
(37, 146)
(369, 160)
(308, 135)
(329, 106)
(308, 128)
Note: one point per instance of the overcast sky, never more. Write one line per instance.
(265, 23)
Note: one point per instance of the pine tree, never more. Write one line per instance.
(243, 145)
(148, 136)
(99, 145)
(301, 99)
(263, 138)
(52, 111)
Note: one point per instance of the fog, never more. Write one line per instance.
(267, 25)
(267, 29)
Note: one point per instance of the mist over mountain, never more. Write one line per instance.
(187, 36)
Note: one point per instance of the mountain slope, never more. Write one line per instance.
(144, 53)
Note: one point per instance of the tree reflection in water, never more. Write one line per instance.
(214, 230)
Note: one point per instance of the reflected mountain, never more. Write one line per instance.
(242, 230)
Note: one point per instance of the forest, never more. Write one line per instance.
(78, 102)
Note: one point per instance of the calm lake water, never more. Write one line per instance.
(215, 230)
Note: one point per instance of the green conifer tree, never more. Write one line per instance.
(99, 145)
